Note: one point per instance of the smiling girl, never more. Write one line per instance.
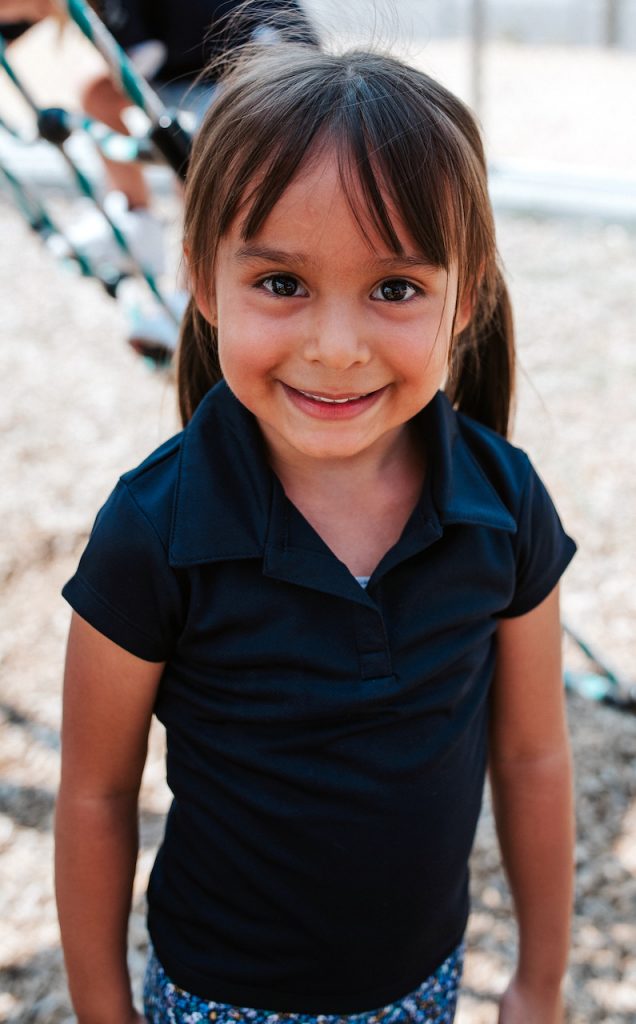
(336, 587)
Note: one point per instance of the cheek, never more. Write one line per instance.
(247, 351)
(424, 350)
(236, 355)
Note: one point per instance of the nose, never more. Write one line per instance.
(338, 338)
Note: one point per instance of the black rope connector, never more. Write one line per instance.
(54, 125)
(173, 142)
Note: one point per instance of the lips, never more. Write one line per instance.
(339, 406)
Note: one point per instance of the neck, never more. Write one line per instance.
(398, 457)
(358, 506)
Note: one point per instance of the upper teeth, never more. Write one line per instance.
(332, 401)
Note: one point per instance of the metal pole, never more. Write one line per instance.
(167, 133)
(477, 40)
(130, 81)
(611, 22)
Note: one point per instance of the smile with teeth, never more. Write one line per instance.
(333, 401)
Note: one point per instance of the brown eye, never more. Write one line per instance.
(394, 290)
(283, 285)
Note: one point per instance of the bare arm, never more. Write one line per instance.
(108, 700)
(531, 779)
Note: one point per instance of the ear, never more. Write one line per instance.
(464, 312)
(206, 304)
(205, 301)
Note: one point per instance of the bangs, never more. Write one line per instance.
(392, 151)
(408, 151)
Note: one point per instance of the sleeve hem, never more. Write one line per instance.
(539, 592)
(106, 620)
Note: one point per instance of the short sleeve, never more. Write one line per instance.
(124, 586)
(543, 549)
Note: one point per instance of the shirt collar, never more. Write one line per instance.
(462, 493)
(226, 491)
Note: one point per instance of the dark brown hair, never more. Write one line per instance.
(397, 134)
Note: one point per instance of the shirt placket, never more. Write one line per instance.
(372, 643)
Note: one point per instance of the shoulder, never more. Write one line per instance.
(152, 485)
(542, 549)
(137, 515)
(124, 585)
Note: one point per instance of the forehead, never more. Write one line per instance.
(326, 195)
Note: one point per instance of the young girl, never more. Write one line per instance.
(337, 588)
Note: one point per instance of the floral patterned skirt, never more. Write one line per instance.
(433, 1002)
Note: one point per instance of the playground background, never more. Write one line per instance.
(78, 408)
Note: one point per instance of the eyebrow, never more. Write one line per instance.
(407, 260)
(298, 259)
(262, 252)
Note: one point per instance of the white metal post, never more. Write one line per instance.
(477, 39)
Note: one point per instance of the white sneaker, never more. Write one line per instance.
(93, 237)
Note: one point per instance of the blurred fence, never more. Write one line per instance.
(563, 22)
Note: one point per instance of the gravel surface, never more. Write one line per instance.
(78, 408)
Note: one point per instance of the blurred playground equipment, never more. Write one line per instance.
(164, 138)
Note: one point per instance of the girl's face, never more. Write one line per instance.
(332, 342)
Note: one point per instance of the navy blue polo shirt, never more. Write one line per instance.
(326, 743)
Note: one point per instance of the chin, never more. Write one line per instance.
(331, 450)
